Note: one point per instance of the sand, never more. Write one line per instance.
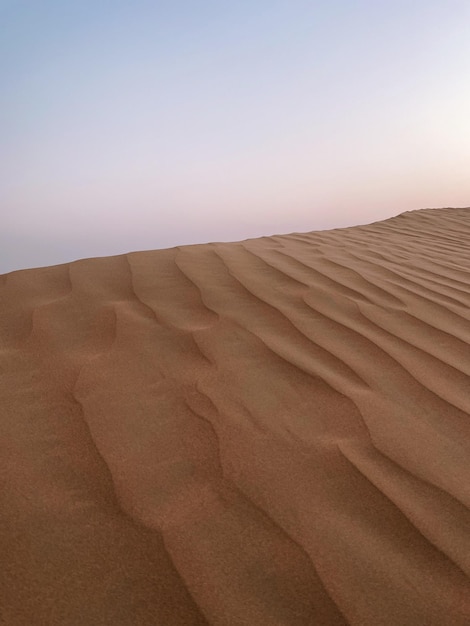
(271, 432)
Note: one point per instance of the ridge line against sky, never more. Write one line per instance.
(147, 125)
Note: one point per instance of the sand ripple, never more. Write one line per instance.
(271, 432)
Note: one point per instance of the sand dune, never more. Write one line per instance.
(272, 432)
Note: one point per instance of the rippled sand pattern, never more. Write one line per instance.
(272, 432)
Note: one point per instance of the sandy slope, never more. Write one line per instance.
(271, 432)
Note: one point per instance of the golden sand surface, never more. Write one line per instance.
(271, 432)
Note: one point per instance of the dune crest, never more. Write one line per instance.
(273, 432)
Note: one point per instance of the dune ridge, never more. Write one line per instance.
(273, 432)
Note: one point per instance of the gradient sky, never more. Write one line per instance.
(130, 125)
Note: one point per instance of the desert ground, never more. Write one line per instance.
(270, 432)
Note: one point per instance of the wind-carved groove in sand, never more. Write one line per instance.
(378, 338)
(409, 400)
(268, 520)
(460, 272)
(331, 283)
(391, 257)
(392, 485)
(422, 254)
(341, 287)
(41, 302)
(101, 332)
(426, 305)
(293, 438)
(400, 283)
(377, 294)
(285, 276)
(421, 277)
(245, 511)
(460, 224)
(317, 342)
(323, 358)
(150, 311)
(305, 239)
(319, 278)
(353, 394)
(166, 318)
(417, 237)
(451, 355)
(438, 239)
(319, 354)
(194, 285)
(250, 418)
(374, 254)
(114, 499)
(454, 362)
(431, 280)
(328, 373)
(122, 512)
(159, 320)
(396, 230)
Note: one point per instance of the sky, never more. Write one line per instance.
(131, 125)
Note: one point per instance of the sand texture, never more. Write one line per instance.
(273, 432)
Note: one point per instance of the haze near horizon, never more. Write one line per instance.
(149, 125)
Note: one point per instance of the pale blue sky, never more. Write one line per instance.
(146, 124)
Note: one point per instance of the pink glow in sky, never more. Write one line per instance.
(142, 125)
